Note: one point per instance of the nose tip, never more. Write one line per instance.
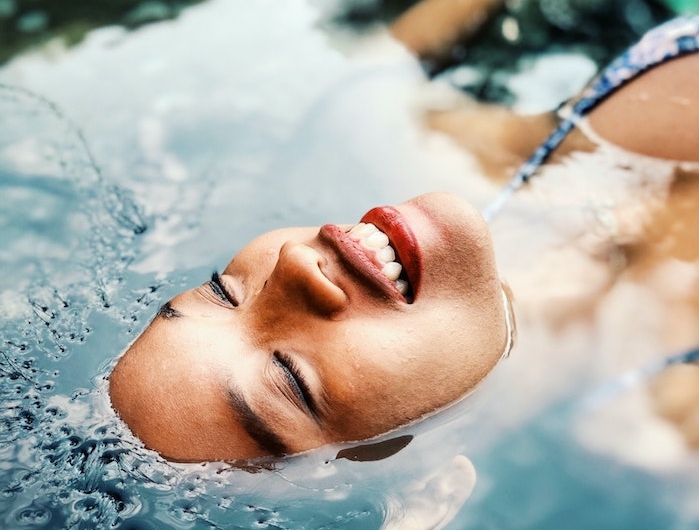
(299, 272)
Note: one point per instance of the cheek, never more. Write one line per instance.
(383, 358)
(253, 266)
(454, 346)
(387, 373)
(469, 274)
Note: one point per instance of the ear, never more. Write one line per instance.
(375, 451)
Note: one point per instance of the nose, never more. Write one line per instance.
(298, 280)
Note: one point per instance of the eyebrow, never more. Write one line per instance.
(167, 311)
(256, 427)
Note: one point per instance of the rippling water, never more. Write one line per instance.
(134, 163)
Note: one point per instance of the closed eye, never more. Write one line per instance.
(220, 290)
(297, 383)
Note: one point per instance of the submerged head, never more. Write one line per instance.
(303, 340)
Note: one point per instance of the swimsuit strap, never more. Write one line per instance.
(677, 37)
(615, 387)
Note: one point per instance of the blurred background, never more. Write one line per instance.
(143, 143)
(599, 28)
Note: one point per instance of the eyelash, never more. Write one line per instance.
(291, 371)
(296, 379)
(220, 290)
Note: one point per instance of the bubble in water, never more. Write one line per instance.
(34, 516)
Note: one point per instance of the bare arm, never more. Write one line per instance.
(497, 136)
(432, 27)
(656, 114)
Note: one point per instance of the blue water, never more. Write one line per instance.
(133, 164)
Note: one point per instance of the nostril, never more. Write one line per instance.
(304, 273)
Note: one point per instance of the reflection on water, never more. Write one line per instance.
(133, 163)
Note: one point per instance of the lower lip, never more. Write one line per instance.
(392, 223)
(358, 262)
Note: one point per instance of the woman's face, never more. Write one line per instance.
(303, 340)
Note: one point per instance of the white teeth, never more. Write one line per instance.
(363, 229)
(373, 239)
(376, 240)
(402, 287)
(386, 254)
(392, 270)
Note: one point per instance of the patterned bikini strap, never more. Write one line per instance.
(615, 387)
(671, 39)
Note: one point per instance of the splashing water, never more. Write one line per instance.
(68, 302)
(75, 290)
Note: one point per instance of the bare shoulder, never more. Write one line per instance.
(656, 114)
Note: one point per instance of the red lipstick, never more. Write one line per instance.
(392, 223)
(355, 259)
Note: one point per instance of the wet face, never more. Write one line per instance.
(312, 336)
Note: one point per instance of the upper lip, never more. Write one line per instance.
(391, 222)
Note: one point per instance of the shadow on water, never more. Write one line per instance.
(76, 286)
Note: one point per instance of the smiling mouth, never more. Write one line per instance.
(378, 248)
(381, 249)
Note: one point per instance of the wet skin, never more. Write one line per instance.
(302, 342)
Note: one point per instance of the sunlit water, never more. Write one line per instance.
(135, 163)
